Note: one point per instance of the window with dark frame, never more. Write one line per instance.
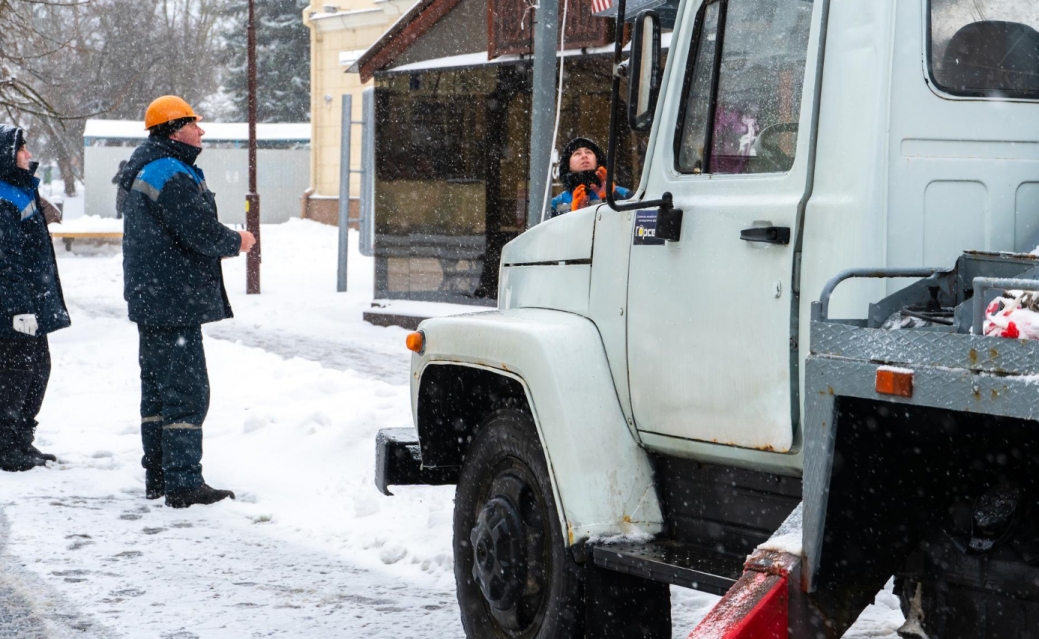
(692, 151)
(984, 48)
(744, 86)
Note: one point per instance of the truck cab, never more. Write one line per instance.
(643, 378)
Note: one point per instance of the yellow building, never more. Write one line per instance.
(340, 31)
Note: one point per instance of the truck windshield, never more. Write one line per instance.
(985, 48)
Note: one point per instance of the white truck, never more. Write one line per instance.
(656, 394)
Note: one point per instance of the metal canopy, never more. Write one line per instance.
(666, 9)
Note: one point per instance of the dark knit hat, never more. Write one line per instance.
(166, 129)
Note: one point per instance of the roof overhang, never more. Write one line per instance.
(473, 60)
(401, 35)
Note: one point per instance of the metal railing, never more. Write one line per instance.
(869, 273)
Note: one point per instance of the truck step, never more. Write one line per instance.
(672, 562)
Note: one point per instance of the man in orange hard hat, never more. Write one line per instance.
(173, 283)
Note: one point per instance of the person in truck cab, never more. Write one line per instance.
(583, 174)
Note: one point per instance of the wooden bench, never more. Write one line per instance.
(68, 237)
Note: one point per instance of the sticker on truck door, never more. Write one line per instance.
(646, 229)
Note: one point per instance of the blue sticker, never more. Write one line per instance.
(646, 229)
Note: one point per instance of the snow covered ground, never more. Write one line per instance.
(310, 548)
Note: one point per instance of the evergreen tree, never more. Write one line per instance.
(282, 61)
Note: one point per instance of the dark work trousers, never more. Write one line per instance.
(174, 402)
(25, 368)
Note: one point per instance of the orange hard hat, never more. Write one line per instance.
(167, 109)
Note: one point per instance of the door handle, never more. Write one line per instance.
(766, 234)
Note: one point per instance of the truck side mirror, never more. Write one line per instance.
(644, 74)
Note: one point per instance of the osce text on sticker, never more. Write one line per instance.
(646, 229)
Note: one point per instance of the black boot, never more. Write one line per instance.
(154, 484)
(26, 436)
(151, 437)
(204, 495)
(12, 458)
(32, 451)
(15, 460)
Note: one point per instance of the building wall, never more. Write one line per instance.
(281, 178)
(450, 182)
(354, 28)
(452, 163)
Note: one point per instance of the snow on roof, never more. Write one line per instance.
(455, 61)
(477, 59)
(215, 131)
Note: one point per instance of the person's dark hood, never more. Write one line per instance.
(11, 139)
(154, 149)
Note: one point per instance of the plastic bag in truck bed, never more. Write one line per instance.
(1015, 316)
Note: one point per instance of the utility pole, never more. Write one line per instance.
(543, 105)
(252, 198)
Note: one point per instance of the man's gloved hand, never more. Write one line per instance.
(26, 324)
(248, 241)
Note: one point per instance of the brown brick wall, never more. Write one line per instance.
(326, 210)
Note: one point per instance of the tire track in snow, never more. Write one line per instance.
(390, 366)
(29, 609)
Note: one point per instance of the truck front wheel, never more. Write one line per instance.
(515, 578)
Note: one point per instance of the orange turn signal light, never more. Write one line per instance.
(893, 381)
(416, 342)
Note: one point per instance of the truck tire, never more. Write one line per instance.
(515, 579)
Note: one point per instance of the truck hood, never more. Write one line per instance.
(566, 238)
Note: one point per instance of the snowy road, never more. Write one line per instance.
(29, 609)
(310, 549)
(155, 572)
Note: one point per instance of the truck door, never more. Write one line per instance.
(709, 317)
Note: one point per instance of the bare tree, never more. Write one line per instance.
(110, 58)
(147, 51)
(23, 44)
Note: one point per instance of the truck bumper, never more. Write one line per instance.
(398, 462)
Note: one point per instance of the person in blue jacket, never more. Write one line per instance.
(582, 171)
(32, 302)
(172, 246)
